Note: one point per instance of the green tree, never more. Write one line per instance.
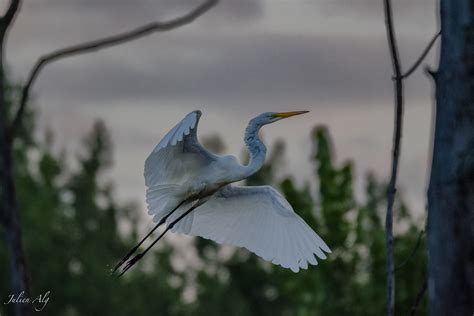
(74, 230)
(71, 221)
(350, 282)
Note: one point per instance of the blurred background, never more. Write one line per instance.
(95, 118)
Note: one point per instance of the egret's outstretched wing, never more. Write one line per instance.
(261, 220)
(176, 158)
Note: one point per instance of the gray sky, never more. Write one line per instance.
(242, 58)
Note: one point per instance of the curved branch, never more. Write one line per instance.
(422, 56)
(413, 252)
(419, 297)
(10, 14)
(101, 44)
(397, 135)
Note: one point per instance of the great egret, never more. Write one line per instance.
(189, 190)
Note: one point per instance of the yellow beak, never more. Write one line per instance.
(289, 114)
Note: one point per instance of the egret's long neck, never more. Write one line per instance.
(256, 148)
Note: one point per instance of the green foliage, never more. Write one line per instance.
(350, 282)
(74, 230)
(71, 233)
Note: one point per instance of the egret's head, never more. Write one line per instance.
(271, 117)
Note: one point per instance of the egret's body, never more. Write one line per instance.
(190, 190)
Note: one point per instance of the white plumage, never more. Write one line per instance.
(190, 190)
(261, 220)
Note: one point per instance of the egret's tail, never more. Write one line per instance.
(161, 199)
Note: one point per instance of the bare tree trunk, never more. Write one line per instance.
(451, 189)
(8, 205)
(10, 219)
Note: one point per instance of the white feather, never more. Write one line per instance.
(257, 218)
(177, 158)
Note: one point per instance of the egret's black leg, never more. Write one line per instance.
(134, 260)
(132, 251)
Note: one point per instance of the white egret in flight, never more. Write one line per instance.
(189, 189)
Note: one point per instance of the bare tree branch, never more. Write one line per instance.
(10, 14)
(413, 252)
(398, 78)
(422, 56)
(419, 297)
(397, 135)
(432, 74)
(101, 44)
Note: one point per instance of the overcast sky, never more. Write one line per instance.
(242, 58)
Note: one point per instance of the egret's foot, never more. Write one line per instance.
(130, 263)
(118, 265)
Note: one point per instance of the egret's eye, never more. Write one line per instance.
(205, 182)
